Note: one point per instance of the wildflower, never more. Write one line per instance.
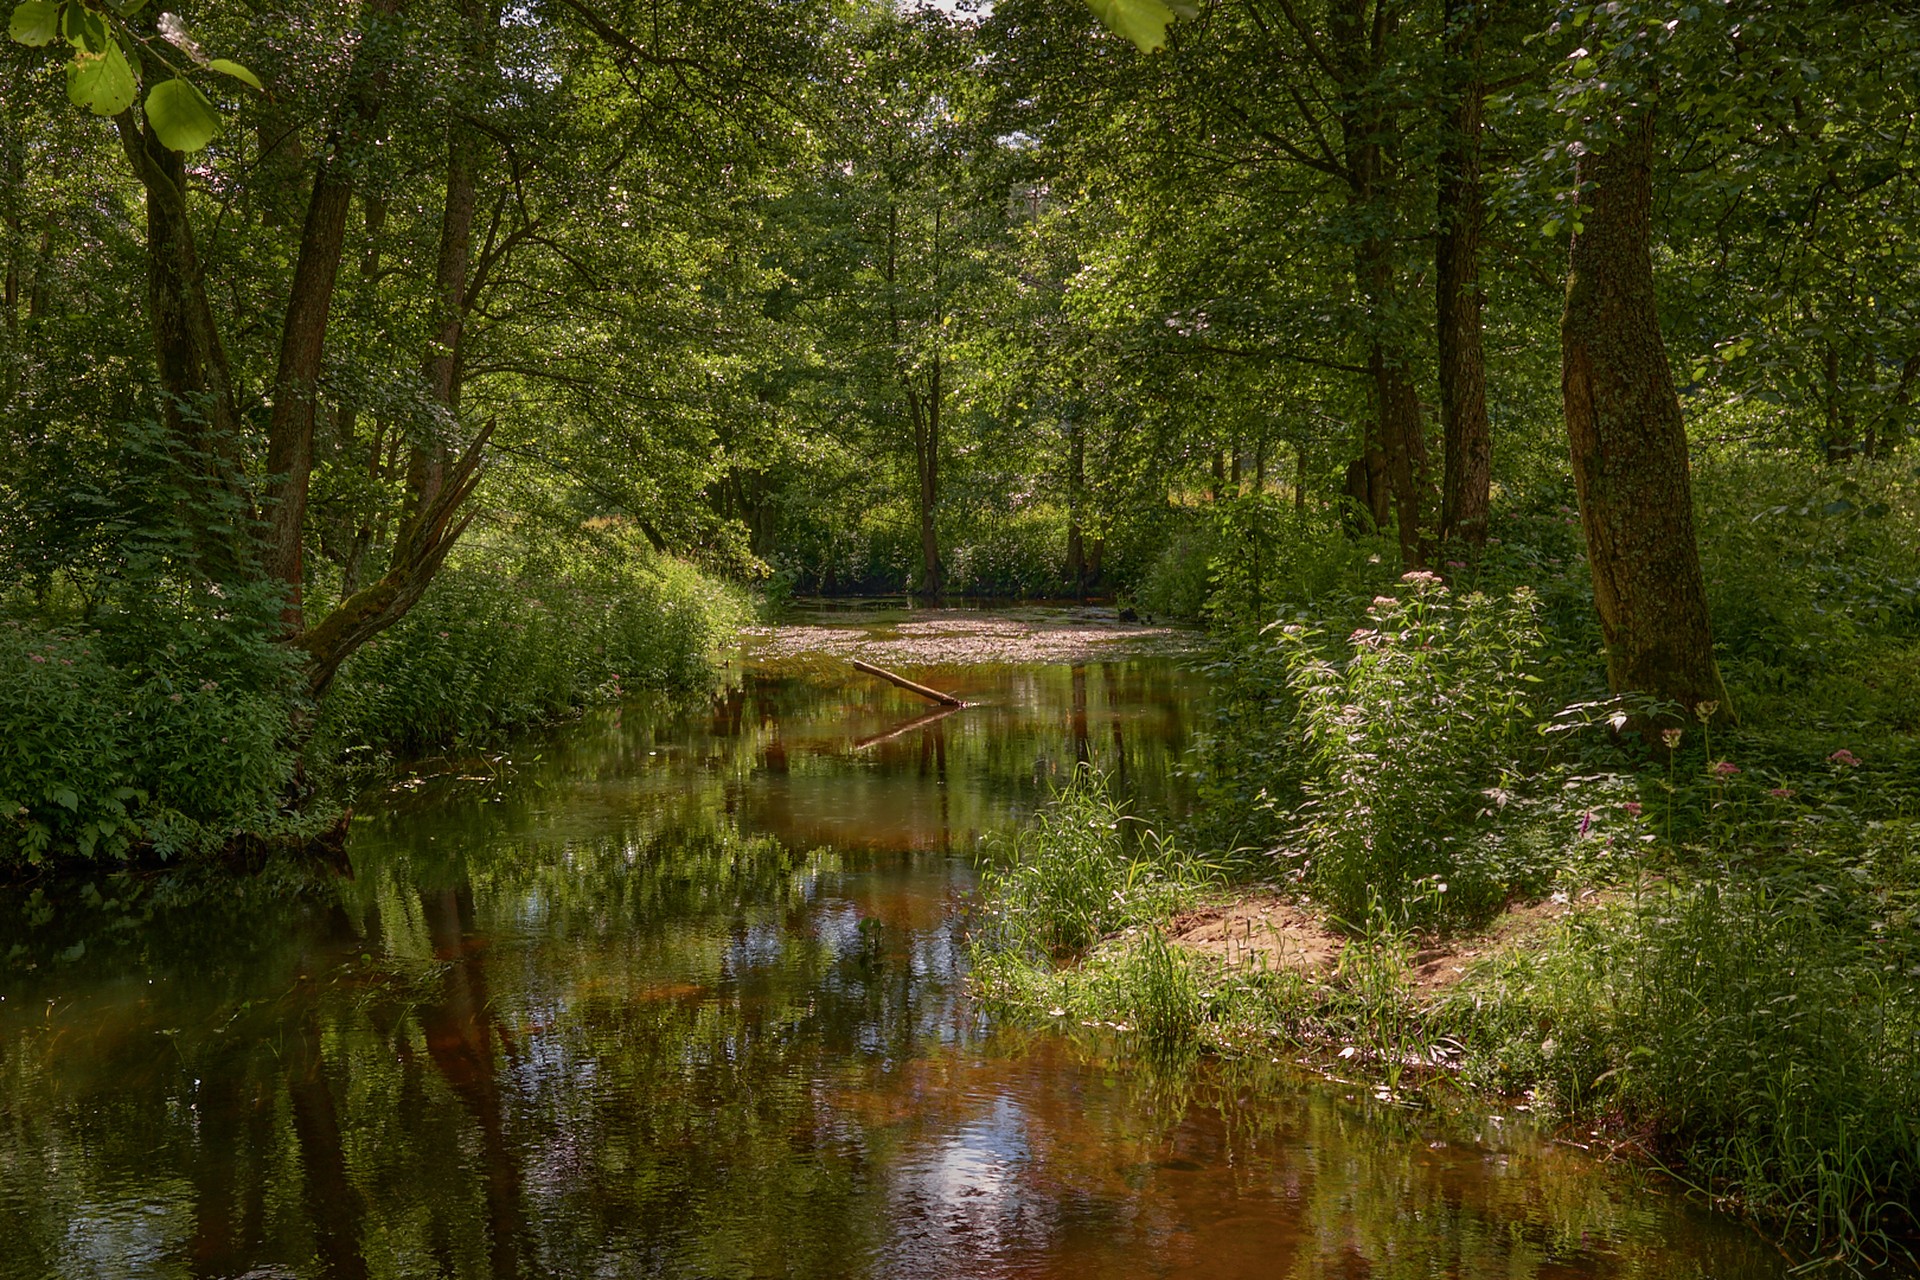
(1726, 768)
(1420, 577)
(1781, 793)
(38, 657)
(1633, 808)
(1844, 756)
(444, 634)
(1384, 602)
(1586, 823)
(1456, 564)
(1671, 737)
(176, 698)
(1706, 710)
(1363, 636)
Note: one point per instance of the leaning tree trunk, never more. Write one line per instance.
(1466, 480)
(1628, 440)
(303, 333)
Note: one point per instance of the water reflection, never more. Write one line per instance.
(684, 996)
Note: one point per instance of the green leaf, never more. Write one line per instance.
(181, 116)
(67, 798)
(83, 29)
(101, 82)
(36, 22)
(1142, 21)
(228, 67)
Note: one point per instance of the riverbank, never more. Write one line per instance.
(1748, 1025)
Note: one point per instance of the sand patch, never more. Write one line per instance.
(953, 637)
(1261, 929)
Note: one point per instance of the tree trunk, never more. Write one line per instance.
(1467, 470)
(303, 334)
(1076, 490)
(1628, 440)
(196, 385)
(925, 411)
(1358, 32)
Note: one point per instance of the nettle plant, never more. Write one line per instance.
(115, 54)
(1405, 738)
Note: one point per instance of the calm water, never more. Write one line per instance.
(684, 995)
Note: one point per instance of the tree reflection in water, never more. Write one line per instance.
(685, 996)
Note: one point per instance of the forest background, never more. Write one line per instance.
(381, 375)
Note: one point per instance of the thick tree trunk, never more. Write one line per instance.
(303, 333)
(1467, 476)
(1628, 440)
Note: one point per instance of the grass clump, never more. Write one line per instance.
(1082, 872)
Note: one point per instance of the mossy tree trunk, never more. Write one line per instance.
(1627, 438)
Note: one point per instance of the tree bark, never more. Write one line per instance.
(1358, 31)
(303, 334)
(197, 407)
(1628, 440)
(1467, 476)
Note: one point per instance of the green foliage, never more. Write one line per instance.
(176, 743)
(110, 53)
(1428, 711)
(1079, 871)
(1177, 580)
(1766, 1028)
(511, 636)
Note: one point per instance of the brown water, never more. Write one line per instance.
(684, 995)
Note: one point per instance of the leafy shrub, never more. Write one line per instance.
(1019, 555)
(1177, 582)
(177, 747)
(1404, 737)
(1765, 1029)
(500, 642)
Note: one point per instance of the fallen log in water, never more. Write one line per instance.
(931, 695)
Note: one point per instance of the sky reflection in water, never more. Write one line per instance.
(683, 995)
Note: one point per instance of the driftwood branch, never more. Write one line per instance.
(931, 695)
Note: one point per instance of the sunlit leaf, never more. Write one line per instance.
(35, 23)
(101, 82)
(1142, 21)
(228, 67)
(181, 116)
(83, 29)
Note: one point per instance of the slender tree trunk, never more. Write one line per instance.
(1358, 31)
(1628, 440)
(1467, 471)
(925, 411)
(1076, 497)
(303, 334)
(440, 475)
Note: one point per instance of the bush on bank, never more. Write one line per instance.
(163, 720)
(508, 637)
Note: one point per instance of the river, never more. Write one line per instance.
(682, 993)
